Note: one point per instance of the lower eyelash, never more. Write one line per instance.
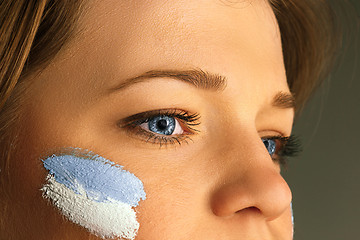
(153, 138)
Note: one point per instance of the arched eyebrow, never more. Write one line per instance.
(203, 80)
(197, 77)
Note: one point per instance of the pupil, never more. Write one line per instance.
(162, 124)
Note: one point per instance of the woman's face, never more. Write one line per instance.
(197, 150)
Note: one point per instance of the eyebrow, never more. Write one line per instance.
(284, 100)
(197, 77)
(202, 80)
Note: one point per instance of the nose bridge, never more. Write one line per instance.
(250, 181)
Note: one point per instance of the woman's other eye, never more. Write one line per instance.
(280, 148)
(270, 145)
(164, 125)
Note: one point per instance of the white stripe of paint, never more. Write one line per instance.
(105, 219)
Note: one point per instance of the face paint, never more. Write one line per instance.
(94, 192)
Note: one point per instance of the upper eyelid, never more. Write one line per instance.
(145, 114)
(276, 137)
(275, 133)
(141, 117)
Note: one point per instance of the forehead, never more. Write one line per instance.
(183, 33)
(118, 40)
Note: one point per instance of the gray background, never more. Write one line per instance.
(325, 178)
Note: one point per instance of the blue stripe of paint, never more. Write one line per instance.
(100, 178)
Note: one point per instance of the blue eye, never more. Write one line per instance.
(162, 124)
(270, 145)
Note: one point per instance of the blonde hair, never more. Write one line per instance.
(32, 32)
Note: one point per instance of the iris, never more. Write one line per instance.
(162, 124)
(270, 145)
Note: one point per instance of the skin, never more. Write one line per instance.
(221, 185)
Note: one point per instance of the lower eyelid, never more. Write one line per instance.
(153, 138)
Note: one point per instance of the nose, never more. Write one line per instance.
(251, 182)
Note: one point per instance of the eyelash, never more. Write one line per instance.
(285, 146)
(288, 147)
(185, 119)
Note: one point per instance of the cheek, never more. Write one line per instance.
(283, 226)
(94, 193)
(177, 202)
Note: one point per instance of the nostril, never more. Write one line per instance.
(249, 210)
